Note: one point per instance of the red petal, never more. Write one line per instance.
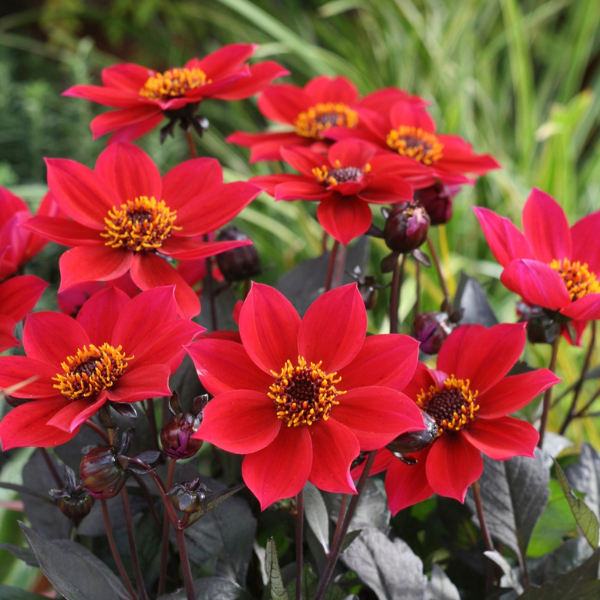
(150, 271)
(303, 160)
(64, 231)
(383, 459)
(283, 103)
(7, 338)
(513, 393)
(383, 359)
(537, 282)
(268, 183)
(484, 356)
(326, 89)
(334, 449)
(25, 426)
(387, 190)
(352, 153)
(14, 370)
(127, 76)
(117, 98)
(344, 218)
(223, 366)
(71, 417)
(453, 464)
(269, 328)
(226, 60)
(80, 192)
(546, 227)
(503, 438)
(141, 383)
(458, 157)
(586, 308)
(190, 179)
(421, 380)
(383, 99)
(301, 190)
(50, 337)
(407, 484)
(377, 415)
(333, 329)
(19, 295)
(240, 421)
(586, 247)
(99, 314)
(194, 249)
(92, 263)
(128, 133)
(261, 76)
(411, 114)
(130, 172)
(119, 119)
(505, 241)
(282, 468)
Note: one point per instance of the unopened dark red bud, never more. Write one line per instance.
(101, 472)
(239, 263)
(406, 227)
(73, 500)
(176, 436)
(432, 329)
(415, 440)
(189, 497)
(437, 200)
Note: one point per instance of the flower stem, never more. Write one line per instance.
(97, 429)
(115, 552)
(340, 263)
(331, 268)
(139, 579)
(438, 268)
(579, 385)
(151, 415)
(164, 550)
(338, 525)
(397, 279)
(52, 467)
(299, 542)
(191, 144)
(418, 298)
(337, 548)
(487, 538)
(185, 563)
(548, 393)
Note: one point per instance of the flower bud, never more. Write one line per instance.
(432, 329)
(414, 441)
(239, 263)
(102, 473)
(541, 328)
(406, 227)
(437, 201)
(73, 500)
(176, 435)
(189, 497)
(367, 286)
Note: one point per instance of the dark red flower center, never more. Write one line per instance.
(415, 143)
(304, 394)
(319, 118)
(580, 281)
(173, 83)
(452, 407)
(140, 225)
(90, 371)
(339, 174)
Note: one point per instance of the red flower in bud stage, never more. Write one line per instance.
(18, 296)
(74, 366)
(143, 96)
(323, 103)
(124, 217)
(17, 245)
(549, 265)
(469, 396)
(344, 182)
(302, 397)
(407, 130)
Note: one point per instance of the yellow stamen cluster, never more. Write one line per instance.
(90, 371)
(173, 83)
(304, 394)
(452, 407)
(580, 281)
(415, 143)
(140, 225)
(319, 118)
(339, 174)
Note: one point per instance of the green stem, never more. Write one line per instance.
(548, 393)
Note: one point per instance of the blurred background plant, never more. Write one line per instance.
(518, 79)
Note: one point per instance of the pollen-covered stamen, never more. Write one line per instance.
(90, 371)
(415, 143)
(304, 393)
(452, 407)
(339, 174)
(140, 225)
(319, 118)
(580, 281)
(173, 83)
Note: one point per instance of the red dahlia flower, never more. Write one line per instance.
(469, 396)
(344, 182)
(18, 296)
(408, 130)
(74, 366)
(549, 265)
(17, 245)
(302, 397)
(322, 103)
(144, 96)
(125, 217)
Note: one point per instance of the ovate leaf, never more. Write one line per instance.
(278, 591)
(316, 514)
(440, 587)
